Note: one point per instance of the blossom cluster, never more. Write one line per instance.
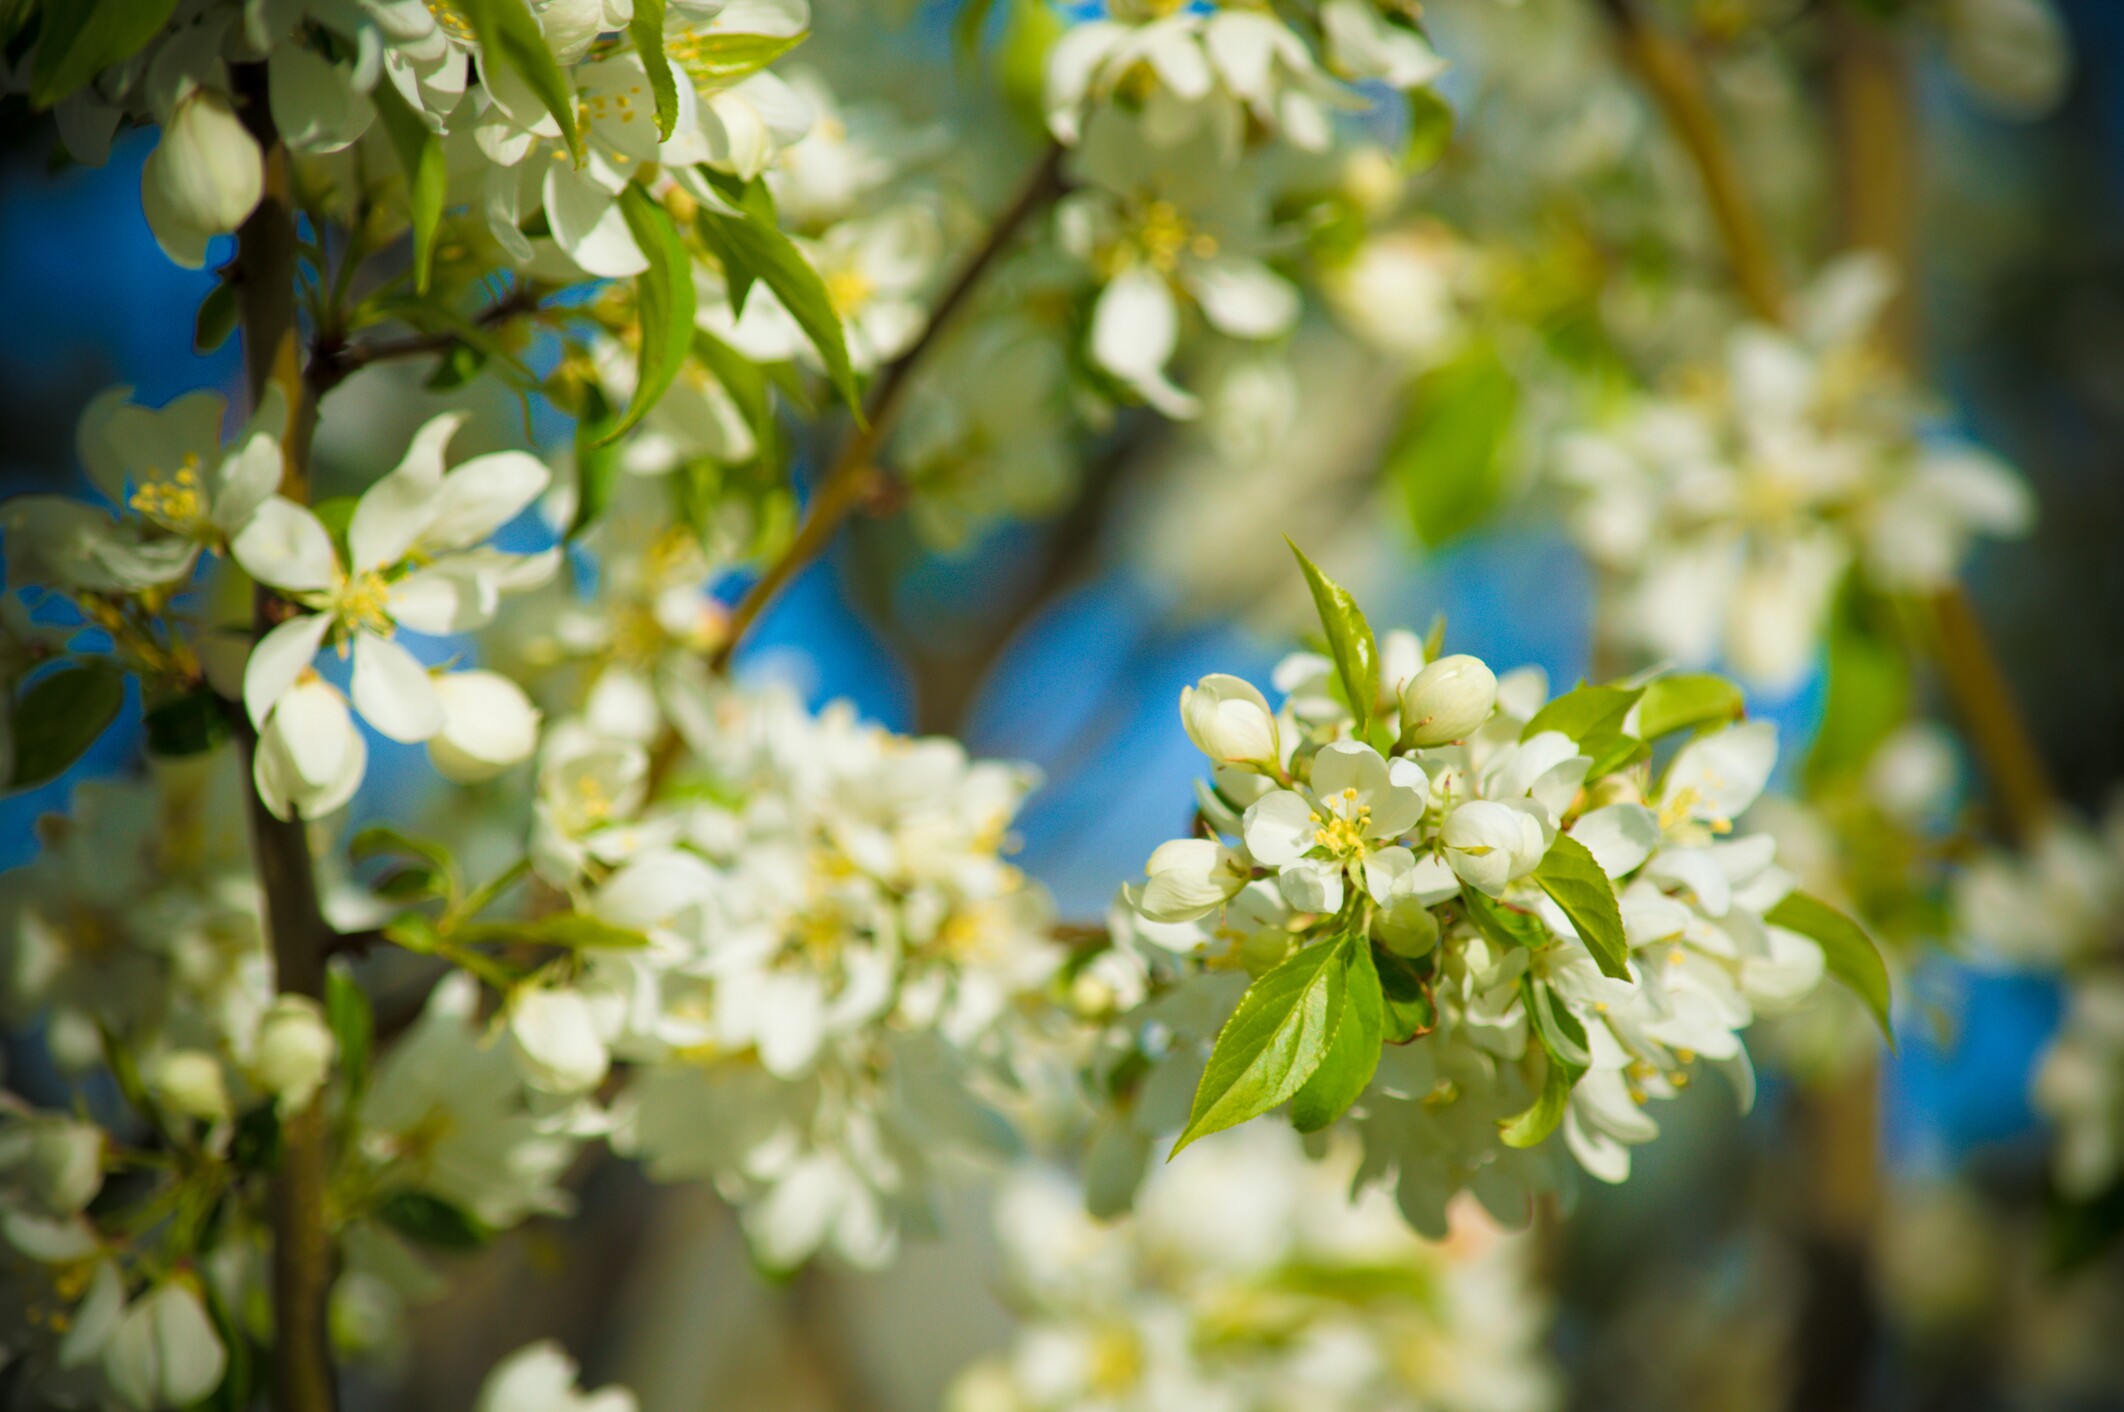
(1248, 1277)
(1545, 924)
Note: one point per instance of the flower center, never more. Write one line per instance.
(175, 502)
(365, 604)
(1165, 235)
(452, 23)
(1342, 832)
(848, 291)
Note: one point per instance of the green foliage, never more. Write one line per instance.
(1409, 1010)
(1449, 454)
(1869, 686)
(255, 1144)
(717, 60)
(1851, 955)
(420, 157)
(1273, 1042)
(1352, 1052)
(81, 38)
(216, 318)
(665, 300)
(1590, 715)
(509, 34)
(2076, 1233)
(1349, 636)
(1430, 133)
(1575, 882)
(1565, 1056)
(187, 724)
(572, 931)
(353, 1026)
(59, 718)
(646, 27)
(1689, 701)
(752, 248)
(1533, 1126)
(597, 459)
(1505, 926)
(429, 1220)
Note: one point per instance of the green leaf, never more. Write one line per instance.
(1430, 131)
(1554, 1025)
(1449, 454)
(431, 1221)
(1869, 690)
(353, 1025)
(413, 931)
(1534, 1125)
(751, 248)
(1410, 1011)
(1505, 926)
(573, 930)
(378, 840)
(1272, 1043)
(1349, 636)
(216, 318)
(255, 1145)
(1589, 715)
(1851, 955)
(1574, 881)
(717, 60)
(967, 26)
(509, 32)
(59, 718)
(597, 459)
(420, 157)
(647, 29)
(1352, 1052)
(190, 724)
(664, 294)
(458, 365)
(81, 38)
(1686, 702)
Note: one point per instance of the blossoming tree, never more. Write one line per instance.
(1463, 925)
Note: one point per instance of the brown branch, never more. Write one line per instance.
(1675, 81)
(333, 359)
(853, 476)
(302, 1252)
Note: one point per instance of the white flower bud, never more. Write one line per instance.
(165, 1352)
(1490, 843)
(1447, 700)
(558, 1048)
(1229, 720)
(190, 1082)
(293, 1055)
(207, 173)
(1188, 878)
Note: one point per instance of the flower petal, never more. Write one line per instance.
(278, 661)
(287, 547)
(393, 691)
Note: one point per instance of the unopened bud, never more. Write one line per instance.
(1447, 700)
(189, 1081)
(1229, 720)
(293, 1056)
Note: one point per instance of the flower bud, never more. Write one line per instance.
(52, 1163)
(189, 1082)
(1229, 720)
(1490, 843)
(1447, 700)
(207, 172)
(1188, 878)
(294, 1052)
(557, 1044)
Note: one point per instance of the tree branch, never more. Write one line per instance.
(333, 360)
(302, 1252)
(1675, 81)
(852, 476)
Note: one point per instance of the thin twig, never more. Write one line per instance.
(302, 1249)
(333, 360)
(852, 476)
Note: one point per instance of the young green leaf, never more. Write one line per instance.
(420, 157)
(190, 724)
(1532, 1127)
(1409, 1009)
(1272, 1043)
(1589, 715)
(666, 300)
(1574, 881)
(509, 35)
(59, 718)
(597, 459)
(1685, 702)
(1869, 688)
(216, 318)
(1349, 636)
(719, 59)
(1555, 1026)
(647, 30)
(751, 248)
(573, 930)
(431, 1221)
(1505, 926)
(1849, 953)
(81, 38)
(353, 1026)
(1352, 1052)
(1449, 454)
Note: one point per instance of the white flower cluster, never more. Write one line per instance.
(832, 937)
(1249, 1278)
(1728, 514)
(1456, 845)
(1176, 116)
(342, 76)
(2058, 905)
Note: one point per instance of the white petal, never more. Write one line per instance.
(488, 725)
(394, 513)
(393, 691)
(588, 224)
(1619, 836)
(481, 496)
(1279, 827)
(287, 547)
(278, 660)
(1242, 297)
